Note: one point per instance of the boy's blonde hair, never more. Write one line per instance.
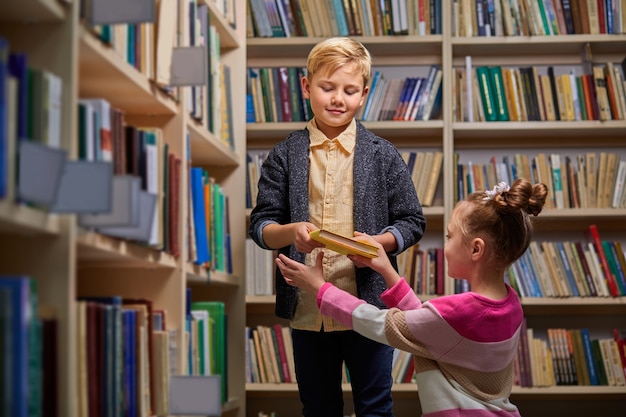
(333, 53)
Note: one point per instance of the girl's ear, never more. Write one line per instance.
(478, 247)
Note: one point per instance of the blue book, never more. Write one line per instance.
(342, 20)
(19, 321)
(199, 215)
(370, 95)
(591, 364)
(568, 269)
(130, 362)
(18, 67)
(4, 76)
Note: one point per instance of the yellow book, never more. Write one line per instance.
(568, 100)
(547, 97)
(344, 245)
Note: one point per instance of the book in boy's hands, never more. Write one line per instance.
(344, 245)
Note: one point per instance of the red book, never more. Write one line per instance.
(410, 370)
(610, 278)
(439, 272)
(282, 353)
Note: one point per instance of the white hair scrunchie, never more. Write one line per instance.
(500, 188)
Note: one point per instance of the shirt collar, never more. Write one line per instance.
(347, 138)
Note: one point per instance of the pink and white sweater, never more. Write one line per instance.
(463, 345)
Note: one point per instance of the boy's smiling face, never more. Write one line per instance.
(335, 97)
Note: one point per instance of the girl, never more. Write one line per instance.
(463, 344)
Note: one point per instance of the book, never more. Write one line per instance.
(18, 324)
(219, 349)
(344, 245)
(610, 278)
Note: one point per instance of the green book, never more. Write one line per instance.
(218, 357)
(486, 93)
(502, 110)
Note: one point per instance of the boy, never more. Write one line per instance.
(336, 175)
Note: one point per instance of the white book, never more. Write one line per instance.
(469, 105)
(618, 188)
(597, 274)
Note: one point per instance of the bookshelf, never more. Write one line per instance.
(68, 261)
(476, 141)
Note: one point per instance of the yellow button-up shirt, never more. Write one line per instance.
(330, 207)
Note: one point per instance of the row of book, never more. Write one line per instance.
(589, 180)
(145, 205)
(425, 168)
(570, 357)
(409, 98)
(29, 331)
(327, 18)
(269, 354)
(30, 109)
(259, 269)
(124, 357)
(498, 93)
(275, 95)
(423, 269)
(205, 338)
(211, 101)
(592, 268)
(559, 356)
(537, 17)
(208, 222)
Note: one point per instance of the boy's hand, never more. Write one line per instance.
(302, 240)
(307, 278)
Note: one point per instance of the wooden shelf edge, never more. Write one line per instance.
(23, 220)
(28, 11)
(97, 250)
(197, 274)
(566, 391)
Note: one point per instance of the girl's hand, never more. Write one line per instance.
(307, 278)
(380, 264)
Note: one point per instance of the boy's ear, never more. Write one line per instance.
(306, 87)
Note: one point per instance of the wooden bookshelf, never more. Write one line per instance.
(476, 138)
(68, 261)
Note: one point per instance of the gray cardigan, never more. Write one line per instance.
(384, 200)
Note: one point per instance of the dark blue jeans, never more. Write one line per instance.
(318, 359)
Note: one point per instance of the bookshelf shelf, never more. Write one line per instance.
(538, 134)
(104, 73)
(540, 46)
(410, 390)
(30, 11)
(574, 306)
(413, 133)
(379, 47)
